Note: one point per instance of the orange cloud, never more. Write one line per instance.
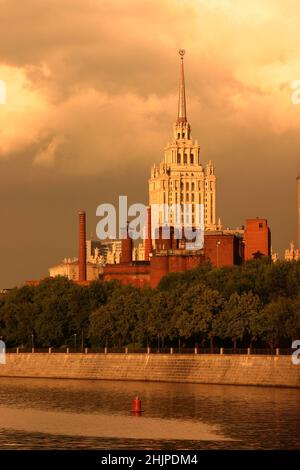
(92, 91)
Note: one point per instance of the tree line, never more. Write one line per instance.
(255, 305)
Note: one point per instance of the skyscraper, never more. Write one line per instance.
(180, 178)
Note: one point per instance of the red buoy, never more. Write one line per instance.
(137, 405)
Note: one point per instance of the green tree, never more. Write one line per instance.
(160, 314)
(101, 326)
(274, 320)
(120, 314)
(197, 311)
(241, 315)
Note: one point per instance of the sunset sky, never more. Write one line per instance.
(92, 98)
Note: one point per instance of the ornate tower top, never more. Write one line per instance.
(181, 100)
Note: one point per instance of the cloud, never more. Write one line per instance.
(92, 94)
(22, 117)
(124, 53)
(47, 155)
(102, 72)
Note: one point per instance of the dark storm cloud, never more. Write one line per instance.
(92, 96)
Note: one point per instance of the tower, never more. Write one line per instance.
(180, 178)
(82, 246)
(257, 238)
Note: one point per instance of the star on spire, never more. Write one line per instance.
(181, 99)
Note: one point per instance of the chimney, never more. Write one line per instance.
(126, 250)
(148, 240)
(82, 246)
(298, 212)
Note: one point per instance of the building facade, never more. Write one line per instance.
(223, 249)
(291, 254)
(70, 268)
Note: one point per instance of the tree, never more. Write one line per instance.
(99, 293)
(197, 311)
(274, 319)
(206, 308)
(117, 319)
(18, 322)
(292, 321)
(161, 309)
(101, 326)
(51, 325)
(241, 315)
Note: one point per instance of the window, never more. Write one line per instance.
(187, 197)
(185, 159)
(193, 187)
(178, 158)
(187, 186)
(183, 135)
(193, 197)
(178, 135)
(192, 159)
(260, 225)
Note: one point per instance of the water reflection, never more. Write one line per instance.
(252, 417)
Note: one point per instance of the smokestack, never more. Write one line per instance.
(298, 213)
(126, 250)
(148, 240)
(82, 246)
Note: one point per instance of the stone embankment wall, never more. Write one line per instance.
(185, 368)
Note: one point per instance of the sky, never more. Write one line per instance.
(91, 98)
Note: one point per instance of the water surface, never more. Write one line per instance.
(76, 414)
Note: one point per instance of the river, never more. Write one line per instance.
(76, 414)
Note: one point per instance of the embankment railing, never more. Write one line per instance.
(154, 350)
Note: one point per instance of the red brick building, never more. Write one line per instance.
(223, 249)
(136, 273)
(257, 238)
(169, 256)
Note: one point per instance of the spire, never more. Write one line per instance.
(181, 100)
